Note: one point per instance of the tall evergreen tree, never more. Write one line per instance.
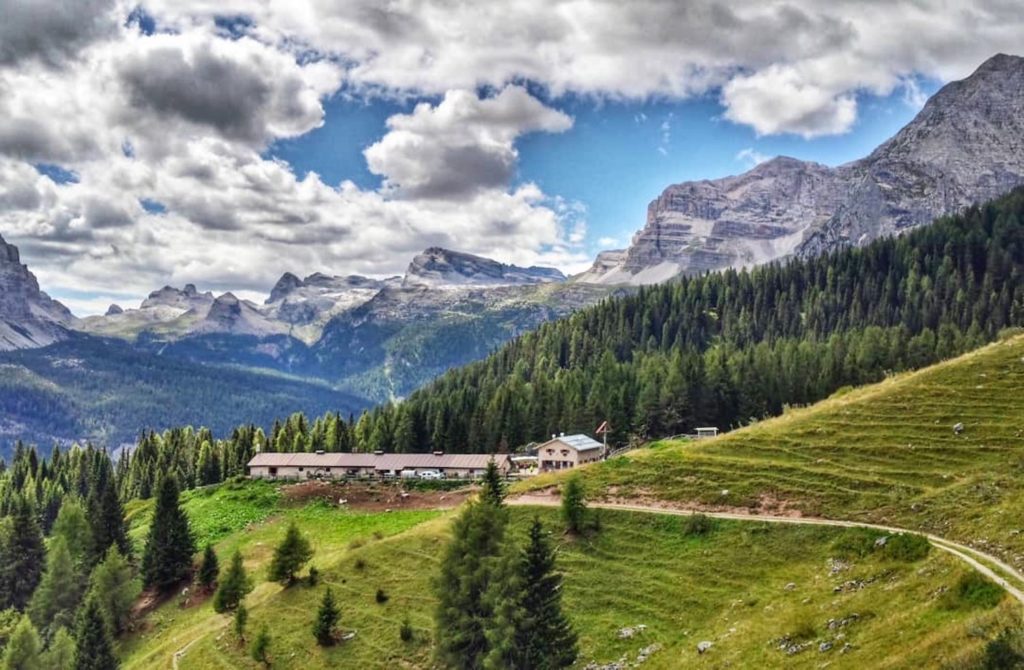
(22, 558)
(209, 569)
(233, 586)
(492, 485)
(574, 506)
(54, 602)
(529, 630)
(467, 569)
(289, 557)
(94, 650)
(115, 587)
(23, 649)
(60, 655)
(167, 559)
(107, 517)
(73, 526)
(326, 620)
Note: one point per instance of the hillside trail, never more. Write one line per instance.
(972, 557)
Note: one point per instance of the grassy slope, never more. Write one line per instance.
(728, 587)
(884, 453)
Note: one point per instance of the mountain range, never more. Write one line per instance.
(378, 339)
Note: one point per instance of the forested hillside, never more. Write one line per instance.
(724, 348)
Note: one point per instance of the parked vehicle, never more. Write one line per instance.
(431, 474)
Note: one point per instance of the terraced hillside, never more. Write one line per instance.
(886, 453)
(764, 595)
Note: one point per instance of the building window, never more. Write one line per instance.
(272, 471)
(300, 469)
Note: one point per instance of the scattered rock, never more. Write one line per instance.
(958, 428)
(790, 586)
(629, 631)
(647, 651)
(703, 646)
(881, 542)
(833, 624)
(824, 646)
(837, 565)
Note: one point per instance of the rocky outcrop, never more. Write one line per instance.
(28, 317)
(438, 267)
(229, 315)
(114, 310)
(184, 299)
(965, 146)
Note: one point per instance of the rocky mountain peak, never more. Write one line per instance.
(28, 317)
(437, 266)
(966, 145)
(185, 298)
(285, 285)
(114, 310)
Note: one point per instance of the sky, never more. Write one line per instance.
(225, 143)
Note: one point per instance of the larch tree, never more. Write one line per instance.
(24, 648)
(115, 587)
(94, 650)
(59, 592)
(289, 557)
(233, 586)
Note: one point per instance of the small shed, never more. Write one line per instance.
(563, 452)
(707, 431)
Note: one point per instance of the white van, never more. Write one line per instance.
(431, 474)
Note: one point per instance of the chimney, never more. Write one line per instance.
(379, 452)
(439, 453)
(319, 452)
(561, 435)
(553, 436)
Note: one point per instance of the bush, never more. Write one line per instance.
(406, 632)
(973, 591)
(314, 576)
(261, 647)
(856, 542)
(381, 597)
(907, 547)
(697, 525)
(360, 564)
(1002, 653)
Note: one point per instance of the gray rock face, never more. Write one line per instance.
(442, 267)
(28, 317)
(965, 146)
(186, 298)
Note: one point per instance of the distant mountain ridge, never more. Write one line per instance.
(965, 146)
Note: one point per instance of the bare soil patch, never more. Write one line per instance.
(373, 497)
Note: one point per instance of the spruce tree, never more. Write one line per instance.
(54, 602)
(94, 650)
(115, 587)
(233, 587)
(289, 557)
(241, 618)
(23, 557)
(467, 569)
(107, 517)
(167, 559)
(261, 647)
(492, 485)
(209, 569)
(546, 640)
(23, 649)
(326, 619)
(60, 655)
(574, 506)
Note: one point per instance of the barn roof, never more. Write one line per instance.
(376, 461)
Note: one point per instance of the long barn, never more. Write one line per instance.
(271, 465)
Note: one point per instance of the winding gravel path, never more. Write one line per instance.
(973, 557)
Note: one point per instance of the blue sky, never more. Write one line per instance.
(617, 156)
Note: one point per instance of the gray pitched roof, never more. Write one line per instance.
(578, 442)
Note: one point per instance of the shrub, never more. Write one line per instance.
(574, 505)
(360, 564)
(855, 542)
(973, 591)
(405, 632)
(381, 597)
(907, 547)
(314, 576)
(261, 647)
(698, 524)
(1002, 653)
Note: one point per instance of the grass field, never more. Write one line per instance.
(885, 453)
(744, 587)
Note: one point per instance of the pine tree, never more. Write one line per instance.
(492, 485)
(209, 569)
(94, 650)
(233, 587)
(23, 649)
(241, 618)
(546, 640)
(22, 558)
(54, 602)
(61, 653)
(466, 572)
(289, 557)
(107, 517)
(115, 587)
(574, 506)
(167, 559)
(326, 619)
(261, 647)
